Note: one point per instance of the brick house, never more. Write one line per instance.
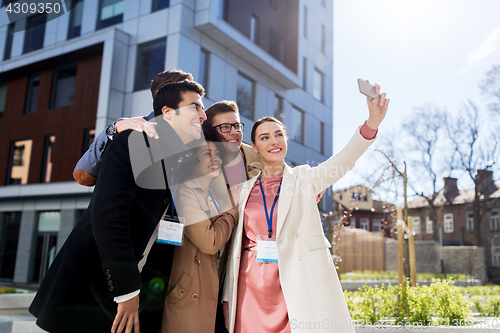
(455, 219)
(367, 214)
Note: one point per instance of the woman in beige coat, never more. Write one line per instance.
(306, 292)
(191, 302)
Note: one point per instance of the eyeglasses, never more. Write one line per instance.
(226, 128)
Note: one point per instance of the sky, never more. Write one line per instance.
(418, 51)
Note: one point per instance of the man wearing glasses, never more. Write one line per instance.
(240, 162)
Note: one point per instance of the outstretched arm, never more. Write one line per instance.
(330, 171)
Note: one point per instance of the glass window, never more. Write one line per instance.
(75, 19)
(89, 138)
(296, 126)
(3, 94)
(35, 32)
(19, 165)
(494, 220)
(323, 38)
(416, 224)
(322, 139)
(429, 228)
(470, 221)
(49, 224)
(204, 68)
(7, 2)
(254, 29)
(495, 256)
(63, 88)
(305, 22)
(150, 62)
(245, 96)
(50, 140)
(376, 225)
(110, 13)
(223, 8)
(448, 223)
(10, 225)
(160, 4)
(304, 74)
(277, 108)
(8, 41)
(275, 45)
(364, 223)
(318, 85)
(352, 223)
(32, 93)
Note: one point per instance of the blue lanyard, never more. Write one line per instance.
(269, 219)
(214, 203)
(175, 191)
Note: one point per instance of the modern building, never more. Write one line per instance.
(454, 223)
(65, 77)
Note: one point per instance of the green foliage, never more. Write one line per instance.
(439, 303)
(450, 306)
(6, 290)
(489, 308)
(386, 276)
(481, 290)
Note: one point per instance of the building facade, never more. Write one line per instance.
(64, 78)
(454, 223)
(363, 211)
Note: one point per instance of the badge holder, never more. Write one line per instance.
(266, 249)
(171, 230)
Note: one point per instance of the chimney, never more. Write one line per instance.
(450, 188)
(484, 181)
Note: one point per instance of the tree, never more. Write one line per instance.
(490, 87)
(475, 144)
(426, 130)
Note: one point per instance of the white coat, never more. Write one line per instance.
(311, 287)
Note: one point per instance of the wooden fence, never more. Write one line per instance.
(361, 250)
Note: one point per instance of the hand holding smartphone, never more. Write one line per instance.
(367, 89)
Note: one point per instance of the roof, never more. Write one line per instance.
(464, 196)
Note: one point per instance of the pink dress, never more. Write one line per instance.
(261, 305)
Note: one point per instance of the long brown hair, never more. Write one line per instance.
(266, 120)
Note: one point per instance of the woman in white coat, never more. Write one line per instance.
(280, 274)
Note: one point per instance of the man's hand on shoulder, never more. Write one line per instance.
(137, 124)
(127, 316)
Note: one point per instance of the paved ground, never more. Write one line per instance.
(7, 319)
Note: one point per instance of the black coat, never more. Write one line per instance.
(99, 259)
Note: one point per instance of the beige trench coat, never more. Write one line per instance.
(191, 302)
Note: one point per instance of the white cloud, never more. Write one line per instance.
(490, 45)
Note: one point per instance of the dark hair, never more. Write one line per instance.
(170, 95)
(266, 120)
(209, 134)
(220, 107)
(166, 77)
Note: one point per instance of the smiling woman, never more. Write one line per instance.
(278, 246)
(192, 293)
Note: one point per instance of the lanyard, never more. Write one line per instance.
(214, 203)
(269, 219)
(172, 194)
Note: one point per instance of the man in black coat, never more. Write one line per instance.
(95, 283)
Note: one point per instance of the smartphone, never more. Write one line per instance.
(367, 89)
